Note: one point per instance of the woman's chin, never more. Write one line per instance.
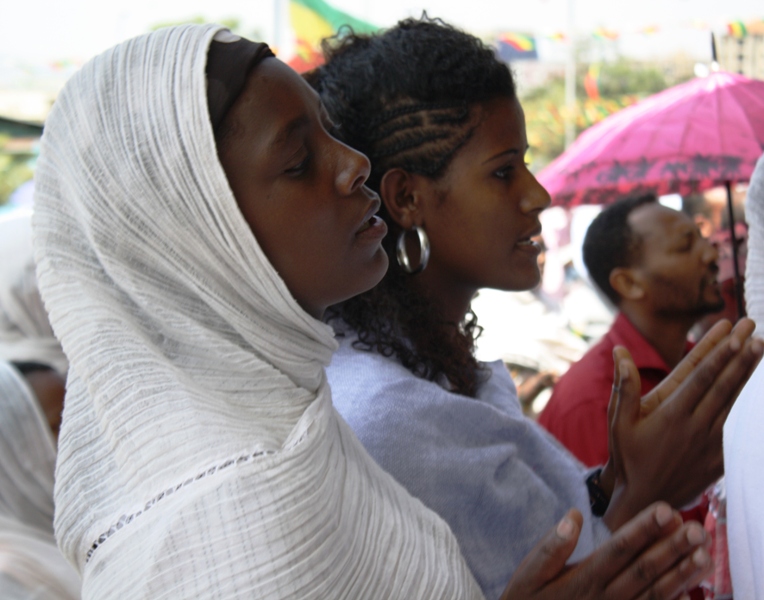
(371, 274)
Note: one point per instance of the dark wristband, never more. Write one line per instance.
(598, 499)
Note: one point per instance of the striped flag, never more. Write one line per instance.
(516, 46)
(737, 29)
(313, 20)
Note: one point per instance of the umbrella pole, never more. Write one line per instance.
(735, 264)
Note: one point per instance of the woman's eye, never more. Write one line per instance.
(504, 172)
(299, 168)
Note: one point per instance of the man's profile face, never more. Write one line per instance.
(677, 265)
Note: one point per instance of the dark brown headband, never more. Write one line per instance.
(228, 65)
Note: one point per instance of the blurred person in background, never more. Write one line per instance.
(721, 240)
(32, 384)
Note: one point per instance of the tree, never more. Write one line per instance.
(14, 170)
(618, 84)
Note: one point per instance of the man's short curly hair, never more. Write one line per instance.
(405, 98)
(610, 243)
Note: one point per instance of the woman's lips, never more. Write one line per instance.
(529, 245)
(374, 227)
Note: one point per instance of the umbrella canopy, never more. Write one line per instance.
(690, 137)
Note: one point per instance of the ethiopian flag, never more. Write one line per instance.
(313, 20)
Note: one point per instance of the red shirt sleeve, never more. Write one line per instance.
(581, 427)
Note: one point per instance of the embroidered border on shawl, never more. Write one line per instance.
(127, 519)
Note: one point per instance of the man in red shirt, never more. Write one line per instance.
(654, 265)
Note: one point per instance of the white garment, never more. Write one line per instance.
(31, 565)
(27, 454)
(25, 333)
(743, 430)
(200, 455)
(497, 478)
(754, 274)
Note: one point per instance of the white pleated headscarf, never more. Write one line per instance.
(25, 333)
(743, 442)
(200, 454)
(27, 454)
(31, 566)
(754, 275)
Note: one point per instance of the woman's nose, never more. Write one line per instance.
(535, 198)
(353, 170)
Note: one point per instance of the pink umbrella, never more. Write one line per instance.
(691, 137)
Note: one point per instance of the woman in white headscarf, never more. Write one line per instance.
(200, 454)
(743, 434)
(31, 395)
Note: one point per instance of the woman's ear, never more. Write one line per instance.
(398, 190)
(626, 283)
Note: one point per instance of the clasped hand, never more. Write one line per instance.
(668, 445)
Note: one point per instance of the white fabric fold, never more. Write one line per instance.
(743, 446)
(27, 454)
(31, 565)
(200, 454)
(25, 334)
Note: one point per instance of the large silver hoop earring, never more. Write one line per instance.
(424, 251)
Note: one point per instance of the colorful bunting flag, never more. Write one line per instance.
(737, 29)
(603, 33)
(650, 30)
(591, 82)
(516, 46)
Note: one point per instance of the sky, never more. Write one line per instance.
(38, 31)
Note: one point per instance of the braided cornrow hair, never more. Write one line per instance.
(405, 99)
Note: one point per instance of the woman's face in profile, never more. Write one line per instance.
(302, 191)
(485, 210)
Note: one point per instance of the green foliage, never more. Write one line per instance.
(623, 78)
(232, 23)
(14, 170)
(620, 84)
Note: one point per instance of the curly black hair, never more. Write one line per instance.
(405, 98)
(610, 243)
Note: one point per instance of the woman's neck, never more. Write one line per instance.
(451, 301)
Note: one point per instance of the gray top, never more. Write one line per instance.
(496, 477)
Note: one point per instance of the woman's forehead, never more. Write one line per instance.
(275, 104)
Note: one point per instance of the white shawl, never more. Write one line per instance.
(200, 455)
(744, 428)
(27, 454)
(25, 334)
(30, 564)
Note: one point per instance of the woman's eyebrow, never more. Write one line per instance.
(289, 130)
(509, 152)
